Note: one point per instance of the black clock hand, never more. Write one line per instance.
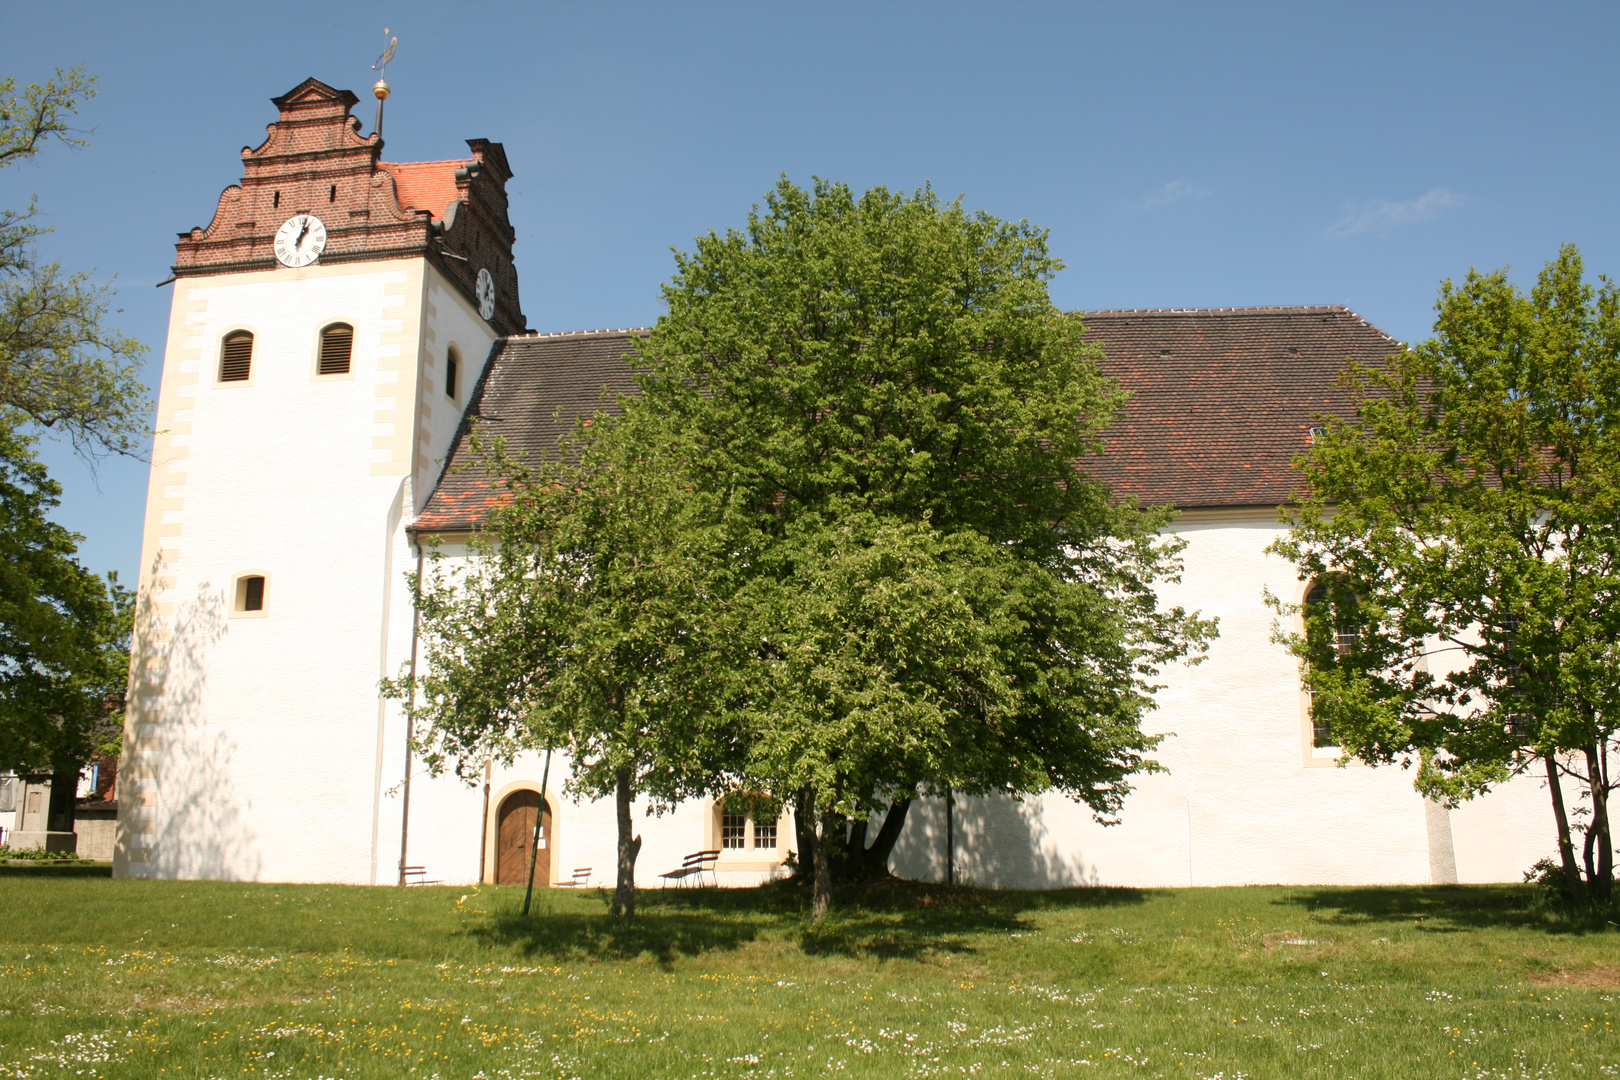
(298, 243)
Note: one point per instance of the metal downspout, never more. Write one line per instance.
(410, 717)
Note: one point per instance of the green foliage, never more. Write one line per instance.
(61, 367)
(1466, 523)
(582, 622)
(881, 392)
(64, 633)
(590, 619)
(37, 855)
(894, 654)
(837, 549)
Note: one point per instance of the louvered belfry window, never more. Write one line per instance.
(236, 357)
(337, 342)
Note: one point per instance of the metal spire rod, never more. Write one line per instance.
(381, 89)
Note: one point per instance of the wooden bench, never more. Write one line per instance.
(694, 866)
(581, 878)
(417, 875)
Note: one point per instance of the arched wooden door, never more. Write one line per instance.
(516, 834)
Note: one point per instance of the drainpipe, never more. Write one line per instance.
(950, 838)
(410, 717)
(483, 829)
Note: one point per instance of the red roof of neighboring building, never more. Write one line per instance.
(1221, 401)
(425, 185)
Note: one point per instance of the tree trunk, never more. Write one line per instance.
(1566, 850)
(1600, 878)
(822, 893)
(855, 848)
(872, 863)
(624, 890)
(804, 830)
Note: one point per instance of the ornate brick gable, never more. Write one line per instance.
(315, 161)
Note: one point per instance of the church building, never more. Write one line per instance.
(336, 327)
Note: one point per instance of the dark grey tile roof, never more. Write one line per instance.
(1221, 401)
(532, 393)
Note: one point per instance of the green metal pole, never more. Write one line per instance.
(539, 817)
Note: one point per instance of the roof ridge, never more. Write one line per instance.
(1303, 309)
(436, 161)
(580, 333)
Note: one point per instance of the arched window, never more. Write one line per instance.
(337, 344)
(452, 371)
(236, 356)
(1346, 635)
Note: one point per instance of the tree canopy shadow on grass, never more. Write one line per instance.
(1450, 908)
(885, 920)
(908, 919)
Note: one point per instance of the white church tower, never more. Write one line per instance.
(327, 328)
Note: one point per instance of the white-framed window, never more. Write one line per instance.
(733, 831)
(748, 827)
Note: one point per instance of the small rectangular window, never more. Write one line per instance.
(236, 357)
(250, 593)
(450, 366)
(733, 830)
(337, 344)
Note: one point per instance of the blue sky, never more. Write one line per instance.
(1182, 155)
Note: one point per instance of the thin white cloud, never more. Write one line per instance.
(1173, 192)
(1378, 216)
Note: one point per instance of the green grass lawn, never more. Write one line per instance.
(208, 979)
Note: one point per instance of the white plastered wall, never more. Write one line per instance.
(252, 743)
(1246, 798)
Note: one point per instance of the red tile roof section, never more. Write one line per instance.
(425, 185)
(1221, 401)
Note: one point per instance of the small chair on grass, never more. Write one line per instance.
(417, 875)
(581, 878)
(692, 868)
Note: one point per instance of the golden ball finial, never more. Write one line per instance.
(380, 90)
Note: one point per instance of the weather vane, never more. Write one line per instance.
(381, 68)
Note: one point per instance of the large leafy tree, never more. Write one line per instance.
(63, 631)
(590, 618)
(882, 390)
(61, 367)
(1465, 526)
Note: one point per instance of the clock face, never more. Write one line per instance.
(300, 240)
(486, 295)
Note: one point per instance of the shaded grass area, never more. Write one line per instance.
(214, 979)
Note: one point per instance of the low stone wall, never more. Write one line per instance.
(97, 827)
